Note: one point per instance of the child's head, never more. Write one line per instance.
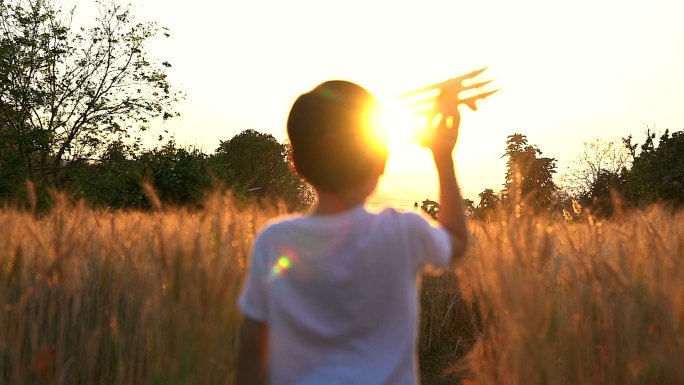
(331, 129)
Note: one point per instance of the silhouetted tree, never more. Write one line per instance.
(66, 93)
(597, 161)
(256, 163)
(115, 180)
(12, 171)
(529, 177)
(469, 206)
(489, 202)
(178, 175)
(599, 175)
(431, 208)
(658, 170)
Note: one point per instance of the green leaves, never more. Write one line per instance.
(657, 173)
(255, 164)
(83, 85)
(529, 177)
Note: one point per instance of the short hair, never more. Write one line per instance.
(331, 130)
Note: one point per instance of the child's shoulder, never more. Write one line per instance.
(278, 224)
(404, 215)
(385, 215)
(403, 220)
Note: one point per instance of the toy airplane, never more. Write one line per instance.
(444, 96)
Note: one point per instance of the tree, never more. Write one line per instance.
(178, 175)
(66, 93)
(529, 177)
(113, 182)
(257, 164)
(657, 173)
(12, 174)
(469, 206)
(600, 162)
(489, 202)
(431, 208)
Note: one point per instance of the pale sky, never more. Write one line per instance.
(569, 72)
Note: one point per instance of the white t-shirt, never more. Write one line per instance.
(339, 295)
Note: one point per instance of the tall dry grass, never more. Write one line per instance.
(96, 297)
(586, 302)
(93, 297)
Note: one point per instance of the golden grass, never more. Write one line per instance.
(95, 297)
(588, 302)
(92, 297)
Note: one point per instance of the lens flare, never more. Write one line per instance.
(282, 265)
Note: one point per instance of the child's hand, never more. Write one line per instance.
(441, 132)
(440, 104)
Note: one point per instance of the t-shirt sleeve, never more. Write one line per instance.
(431, 243)
(253, 299)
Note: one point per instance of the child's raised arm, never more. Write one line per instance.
(451, 209)
(440, 137)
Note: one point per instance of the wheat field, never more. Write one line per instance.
(96, 297)
(582, 302)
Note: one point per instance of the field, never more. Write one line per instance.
(97, 297)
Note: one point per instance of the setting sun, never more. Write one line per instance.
(397, 123)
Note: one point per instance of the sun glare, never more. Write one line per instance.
(397, 124)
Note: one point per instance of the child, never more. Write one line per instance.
(331, 297)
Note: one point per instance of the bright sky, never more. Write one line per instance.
(569, 72)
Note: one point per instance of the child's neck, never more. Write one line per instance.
(330, 204)
(339, 202)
